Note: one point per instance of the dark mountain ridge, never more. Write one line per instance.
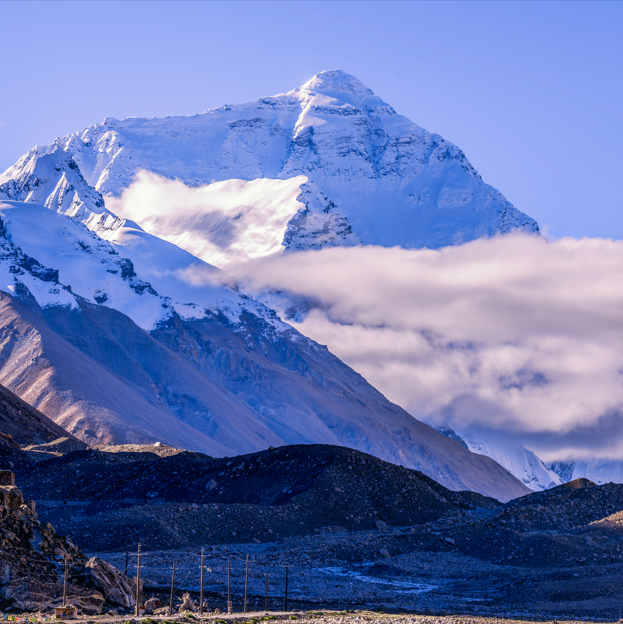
(111, 499)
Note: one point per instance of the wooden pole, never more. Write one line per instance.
(172, 586)
(266, 605)
(230, 608)
(246, 585)
(65, 584)
(201, 589)
(138, 581)
(286, 588)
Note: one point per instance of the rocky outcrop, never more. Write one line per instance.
(32, 562)
(30, 594)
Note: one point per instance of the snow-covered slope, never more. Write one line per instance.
(112, 357)
(51, 177)
(519, 461)
(599, 471)
(93, 269)
(372, 175)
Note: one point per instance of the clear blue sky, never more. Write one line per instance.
(531, 91)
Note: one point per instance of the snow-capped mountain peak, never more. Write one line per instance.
(338, 88)
(49, 175)
(336, 80)
(389, 182)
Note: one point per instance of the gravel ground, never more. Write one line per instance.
(365, 570)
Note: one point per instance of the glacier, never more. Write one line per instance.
(598, 470)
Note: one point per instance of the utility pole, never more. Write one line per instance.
(201, 589)
(286, 587)
(230, 608)
(246, 585)
(172, 585)
(138, 581)
(65, 584)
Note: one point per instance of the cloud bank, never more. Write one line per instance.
(510, 334)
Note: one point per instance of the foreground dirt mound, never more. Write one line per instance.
(190, 498)
(11, 455)
(575, 524)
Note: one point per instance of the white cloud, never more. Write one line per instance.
(222, 223)
(510, 334)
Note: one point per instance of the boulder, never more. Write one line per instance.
(152, 604)
(116, 586)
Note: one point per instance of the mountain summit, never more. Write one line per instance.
(364, 173)
(121, 337)
(343, 85)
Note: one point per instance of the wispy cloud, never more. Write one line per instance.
(510, 334)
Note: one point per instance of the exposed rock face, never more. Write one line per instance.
(30, 594)
(32, 558)
(30, 549)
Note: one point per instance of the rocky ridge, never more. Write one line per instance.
(354, 534)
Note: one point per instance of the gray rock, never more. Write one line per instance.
(116, 586)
